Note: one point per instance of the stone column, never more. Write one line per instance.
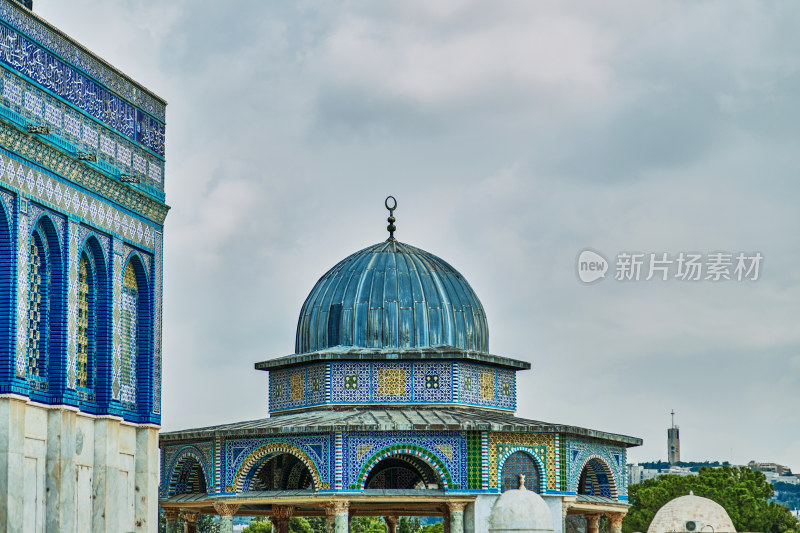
(171, 515)
(337, 515)
(60, 471)
(190, 521)
(280, 517)
(12, 463)
(592, 522)
(616, 522)
(106, 502)
(226, 512)
(456, 516)
(391, 524)
(146, 478)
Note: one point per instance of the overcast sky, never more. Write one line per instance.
(513, 135)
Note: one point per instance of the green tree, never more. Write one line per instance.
(433, 528)
(207, 523)
(317, 523)
(743, 493)
(259, 525)
(367, 524)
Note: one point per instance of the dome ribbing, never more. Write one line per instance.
(392, 296)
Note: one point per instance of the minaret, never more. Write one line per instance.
(673, 443)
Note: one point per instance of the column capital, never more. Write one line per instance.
(190, 516)
(457, 507)
(392, 519)
(170, 513)
(615, 520)
(337, 507)
(226, 509)
(282, 512)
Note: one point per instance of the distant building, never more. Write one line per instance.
(770, 467)
(673, 443)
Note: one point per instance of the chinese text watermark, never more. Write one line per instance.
(663, 266)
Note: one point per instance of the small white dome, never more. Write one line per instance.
(706, 514)
(518, 511)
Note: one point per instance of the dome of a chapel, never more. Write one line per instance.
(703, 513)
(520, 511)
(392, 296)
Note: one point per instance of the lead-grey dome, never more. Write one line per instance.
(392, 296)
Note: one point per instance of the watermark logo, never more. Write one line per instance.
(663, 266)
(591, 266)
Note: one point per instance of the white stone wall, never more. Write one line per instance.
(65, 471)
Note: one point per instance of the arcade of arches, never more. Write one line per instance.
(281, 486)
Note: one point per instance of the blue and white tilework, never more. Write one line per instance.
(450, 447)
(316, 447)
(432, 382)
(158, 277)
(580, 452)
(350, 383)
(35, 105)
(19, 18)
(506, 390)
(116, 322)
(54, 74)
(174, 456)
(72, 303)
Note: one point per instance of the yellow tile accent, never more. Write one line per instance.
(446, 449)
(487, 386)
(296, 389)
(362, 450)
(391, 381)
(507, 440)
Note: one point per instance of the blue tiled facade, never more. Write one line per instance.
(78, 206)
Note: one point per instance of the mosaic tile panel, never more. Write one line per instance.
(448, 447)
(39, 268)
(77, 304)
(60, 195)
(317, 384)
(239, 453)
(174, 456)
(486, 386)
(33, 149)
(129, 331)
(542, 444)
(474, 462)
(432, 382)
(392, 382)
(338, 459)
(22, 286)
(17, 17)
(39, 107)
(158, 277)
(116, 321)
(31, 60)
(468, 383)
(350, 382)
(580, 452)
(507, 389)
(521, 455)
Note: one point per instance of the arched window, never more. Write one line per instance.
(130, 334)
(38, 306)
(87, 322)
(520, 463)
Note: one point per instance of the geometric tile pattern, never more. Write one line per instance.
(129, 336)
(539, 445)
(116, 321)
(61, 195)
(23, 249)
(612, 458)
(474, 457)
(446, 447)
(17, 17)
(158, 276)
(67, 82)
(240, 454)
(400, 382)
(37, 106)
(517, 460)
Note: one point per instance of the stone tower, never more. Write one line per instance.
(673, 443)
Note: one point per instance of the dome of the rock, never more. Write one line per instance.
(392, 296)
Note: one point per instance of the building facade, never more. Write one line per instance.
(392, 405)
(81, 232)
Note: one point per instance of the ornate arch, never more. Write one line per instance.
(542, 471)
(612, 481)
(174, 470)
(406, 449)
(266, 451)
